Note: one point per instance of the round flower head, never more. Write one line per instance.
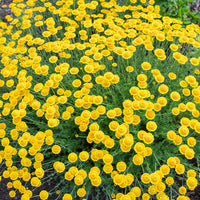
(169, 180)
(146, 178)
(53, 59)
(151, 126)
(146, 66)
(175, 96)
(81, 192)
(72, 157)
(83, 156)
(67, 197)
(56, 149)
(12, 193)
(59, 166)
(121, 166)
(138, 159)
(44, 195)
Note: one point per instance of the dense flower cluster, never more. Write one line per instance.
(101, 97)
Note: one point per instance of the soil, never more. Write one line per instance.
(5, 11)
(4, 190)
(194, 195)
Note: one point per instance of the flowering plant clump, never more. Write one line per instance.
(102, 98)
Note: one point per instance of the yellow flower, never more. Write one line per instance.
(148, 138)
(171, 135)
(182, 190)
(73, 170)
(97, 56)
(177, 140)
(44, 195)
(183, 148)
(136, 119)
(191, 173)
(172, 75)
(139, 147)
(121, 166)
(191, 141)
(35, 182)
(14, 175)
(12, 193)
(108, 159)
(78, 180)
(81, 192)
(145, 178)
(160, 37)
(68, 176)
(183, 131)
(180, 169)
(83, 156)
(162, 101)
(94, 173)
(39, 172)
(141, 77)
(142, 84)
(175, 96)
(163, 89)
(173, 47)
(183, 83)
(49, 140)
(127, 54)
(151, 126)
(146, 66)
(76, 83)
(160, 53)
(171, 162)
(59, 166)
(53, 59)
(177, 55)
(159, 78)
(186, 92)
(195, 92)
(109, 143)
(22, 152)
(53, 122)
(111, 114)
(56, 149)
(145, 196)
(72, 157)
(115, 79)
(118, 179)
(155, 178)
(39, 157)
(129, 69)
(66, 115)
(152, 190)
(190, 106)
(67, 197)
(138, 159)
(165, 169)
(189, 154)
(197, 71)
(109, 76)
(107, 168)
(150, 114)
(191, 182)
(169, 180)
(113, 125)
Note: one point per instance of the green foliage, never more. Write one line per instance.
(179, 9)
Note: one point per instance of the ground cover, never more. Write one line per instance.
(98, 101)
